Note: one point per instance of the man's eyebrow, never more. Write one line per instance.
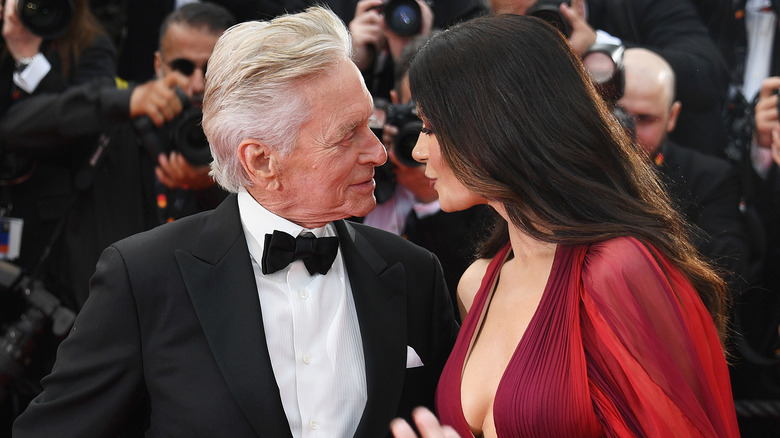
(350, 126)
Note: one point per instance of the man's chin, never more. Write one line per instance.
(364, 207)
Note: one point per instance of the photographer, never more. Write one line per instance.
(130, 188)
(412, 209)
(42, 51)
(670, 28)
(70, 48)
(377, 40)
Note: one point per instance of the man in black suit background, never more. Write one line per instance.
(706, 188)
(199, 328)
(672, 29)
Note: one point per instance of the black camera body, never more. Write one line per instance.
(43, 312)
(46, 18)
(183, 134)
(550, 11)
(402, 17)
(405, 117)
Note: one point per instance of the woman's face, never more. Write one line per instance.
(453, 195)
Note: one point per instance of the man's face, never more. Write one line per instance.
(650, 104)
(182, 48)
(329, 174)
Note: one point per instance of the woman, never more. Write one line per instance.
(589, 313)
(76, 53)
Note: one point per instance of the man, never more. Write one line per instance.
(706, 188)
(197, 328)
(670, 28)
(131, 188)
(142, 20)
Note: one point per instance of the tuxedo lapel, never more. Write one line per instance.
(378, 290)
(220, 281)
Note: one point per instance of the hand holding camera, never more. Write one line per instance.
(157, 99)
(168, 127)
(387, 23)
(568, 17)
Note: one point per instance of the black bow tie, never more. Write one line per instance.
(281, 249)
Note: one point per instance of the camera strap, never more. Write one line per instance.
(82, 181)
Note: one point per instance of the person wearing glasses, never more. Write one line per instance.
(138, 176)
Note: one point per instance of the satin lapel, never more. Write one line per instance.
(219, 278)
(380, 299)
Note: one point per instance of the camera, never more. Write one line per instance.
(43, 312)
(604, 63)
(405, 117)
(403, 17)
(46, 18)
(550, 11)
(183, 134)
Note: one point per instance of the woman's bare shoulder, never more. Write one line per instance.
(469, 284)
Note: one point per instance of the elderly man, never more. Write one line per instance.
(234, 322)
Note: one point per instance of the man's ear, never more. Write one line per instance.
(674, 112)
(260, 163)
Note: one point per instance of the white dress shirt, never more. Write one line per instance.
(391, 215)
(312, 332)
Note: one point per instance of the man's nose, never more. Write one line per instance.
(375, 152)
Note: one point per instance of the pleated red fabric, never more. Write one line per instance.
(620, 346)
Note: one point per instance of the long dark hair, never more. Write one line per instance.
(519, 121)
(81, 32)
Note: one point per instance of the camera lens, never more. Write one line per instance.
(403, 17)
(405, 142)
(46, 18)
(190, 140)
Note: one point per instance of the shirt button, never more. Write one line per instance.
(313, 425)
(306, 359)
(303, 294)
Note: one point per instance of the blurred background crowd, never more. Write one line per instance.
(100, 139)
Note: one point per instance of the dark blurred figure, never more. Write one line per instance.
(670, 28)
(706, 188)
(89, 146)
(36, 60)
(143, 19)
(31, 63)
(376, 46)
(748, 35)
(142, 161)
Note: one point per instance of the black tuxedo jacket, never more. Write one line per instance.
(171, 341)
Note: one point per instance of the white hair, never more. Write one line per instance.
(253, 81)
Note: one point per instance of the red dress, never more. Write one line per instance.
(620, 345)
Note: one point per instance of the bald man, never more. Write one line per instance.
(707, 189)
